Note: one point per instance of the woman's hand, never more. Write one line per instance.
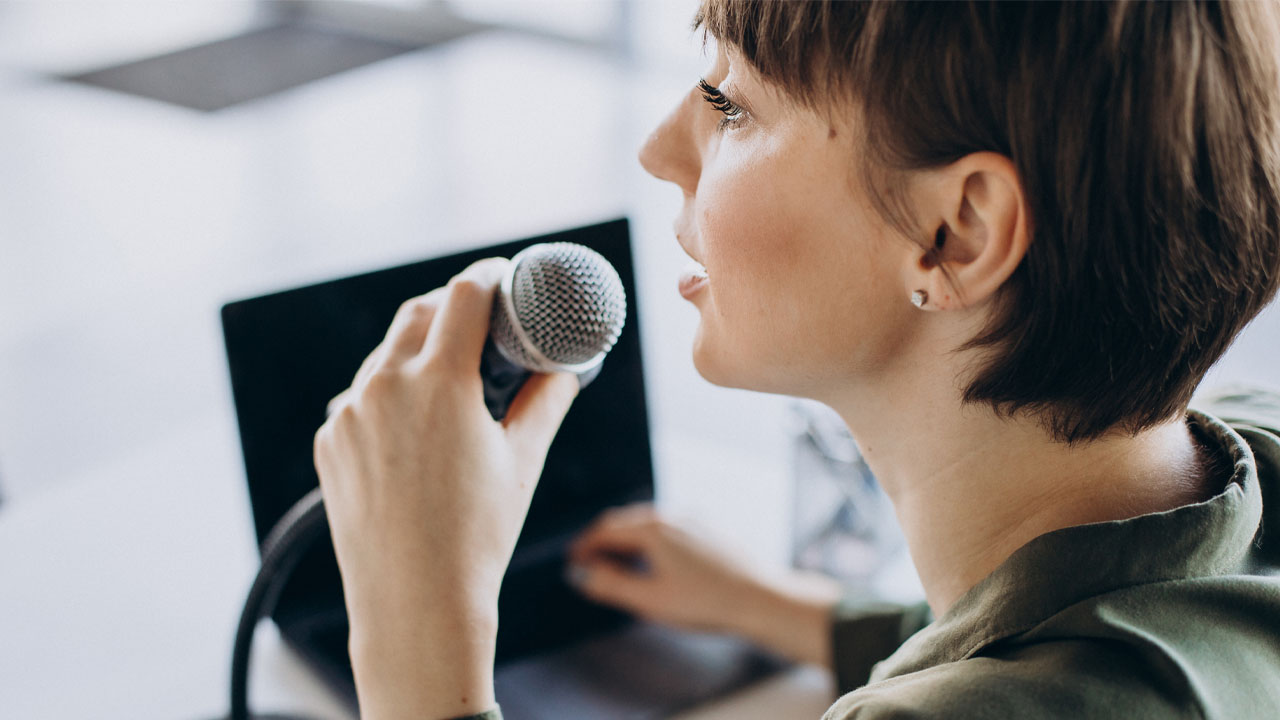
(634, 559)
(426, 495)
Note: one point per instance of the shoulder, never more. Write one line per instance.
(1061, 679)
(1198, 648)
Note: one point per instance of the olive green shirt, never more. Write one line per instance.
(1167, 615)
(1173, 614)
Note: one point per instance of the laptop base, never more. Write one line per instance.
(641, 672)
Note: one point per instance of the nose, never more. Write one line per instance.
(671, 153)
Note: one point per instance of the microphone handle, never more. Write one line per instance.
(503, 379)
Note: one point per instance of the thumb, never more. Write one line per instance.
(539, 408)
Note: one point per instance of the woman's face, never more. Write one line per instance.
(805, 287)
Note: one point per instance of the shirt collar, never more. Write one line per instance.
(1065, 566)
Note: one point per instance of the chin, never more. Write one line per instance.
(730, 369)
(712, 372)
(712, 366)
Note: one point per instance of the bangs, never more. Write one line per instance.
(807, 49)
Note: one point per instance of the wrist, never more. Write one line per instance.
(790, 614)
(430, 665)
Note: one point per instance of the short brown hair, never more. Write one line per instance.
(1145, 137)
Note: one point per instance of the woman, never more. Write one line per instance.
(1005, 242)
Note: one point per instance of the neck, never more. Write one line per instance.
(970, 487)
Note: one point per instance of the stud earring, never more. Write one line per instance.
(919, 298)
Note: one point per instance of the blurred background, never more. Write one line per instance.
(159, 158)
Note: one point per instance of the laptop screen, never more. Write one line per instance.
(291, 351)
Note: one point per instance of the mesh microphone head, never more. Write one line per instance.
(561, 307)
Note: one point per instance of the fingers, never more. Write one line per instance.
(337, 401)
(403, 340)
(408, 330)
(458, 332)
(539, 408)
(612, 584)
(627, 530)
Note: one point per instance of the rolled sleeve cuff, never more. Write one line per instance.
(865, 631)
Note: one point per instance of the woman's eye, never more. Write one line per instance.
(713, 95)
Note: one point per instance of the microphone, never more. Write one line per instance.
(560, 308)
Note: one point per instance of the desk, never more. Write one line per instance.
(132, 614)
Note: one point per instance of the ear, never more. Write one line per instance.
(979, 226)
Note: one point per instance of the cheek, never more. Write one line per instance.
(752, 235)
(797, 284)
(744, 241)
(777, 232)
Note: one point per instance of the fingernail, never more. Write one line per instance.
(576, 575)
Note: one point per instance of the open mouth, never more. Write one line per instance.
(692, 278)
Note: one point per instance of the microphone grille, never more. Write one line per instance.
(569, 301)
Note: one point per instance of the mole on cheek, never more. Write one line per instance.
(831, 132)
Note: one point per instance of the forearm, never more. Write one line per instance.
(791, 615)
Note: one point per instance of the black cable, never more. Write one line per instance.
(284, 546)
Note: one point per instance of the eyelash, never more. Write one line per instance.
(713, 95)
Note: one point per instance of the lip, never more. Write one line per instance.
(693, 279)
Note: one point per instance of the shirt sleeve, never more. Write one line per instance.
(865, 631)
(494, 714)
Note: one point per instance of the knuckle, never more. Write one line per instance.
(466, 287)
(422, 307)
(335, 402)
(382, 380)
(345, 415)
(321, 442)
(416, 309)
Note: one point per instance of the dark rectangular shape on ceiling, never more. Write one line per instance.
(246, 67)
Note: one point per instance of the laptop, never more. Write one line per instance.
(558, 655)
